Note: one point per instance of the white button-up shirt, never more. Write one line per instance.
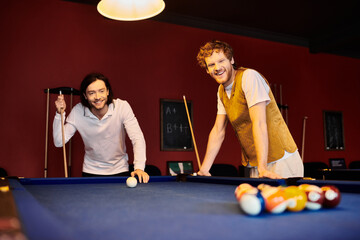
(104, 140)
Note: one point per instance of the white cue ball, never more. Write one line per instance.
(131, 182)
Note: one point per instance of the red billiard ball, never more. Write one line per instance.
(252, 204)
(315, 196)
(275, 200)
(296, 198)
(332, 196)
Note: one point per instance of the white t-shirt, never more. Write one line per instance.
(104, 140)
(256, 90)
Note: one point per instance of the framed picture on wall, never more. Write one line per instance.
(174, 125)
(180, 167)
(333, 130)
(337, 163)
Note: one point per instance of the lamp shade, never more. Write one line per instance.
(130, 10)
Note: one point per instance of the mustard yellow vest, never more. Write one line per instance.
(237, 112)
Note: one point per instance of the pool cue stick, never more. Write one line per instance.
(63, 139)
(47, 131)
(192, 133)
(303, 138)
(69, 165)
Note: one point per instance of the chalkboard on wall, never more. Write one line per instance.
(175, 129)
(333, 130)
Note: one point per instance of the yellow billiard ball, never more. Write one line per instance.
(297, 198)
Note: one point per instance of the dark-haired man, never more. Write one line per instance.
(103, 123)
(245, 100)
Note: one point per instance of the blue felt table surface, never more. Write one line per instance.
(169, 210)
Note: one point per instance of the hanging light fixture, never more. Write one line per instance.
(130, 10)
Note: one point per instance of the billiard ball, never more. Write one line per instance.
(262, 186)
(296, 198)
(275, 200)
(252, 204)
(131, 182)
(332, 196)
(315, 196)
(244, 188)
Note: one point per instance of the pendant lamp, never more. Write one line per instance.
(130, 10)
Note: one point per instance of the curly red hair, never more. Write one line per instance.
(208, 49)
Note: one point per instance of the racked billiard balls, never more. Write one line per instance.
(262, 186)
(275, 200)
(296, 198)
(315, 196)
(332, 196)
(252, 204)
(244, 188)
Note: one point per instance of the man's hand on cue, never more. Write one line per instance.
(60, 104)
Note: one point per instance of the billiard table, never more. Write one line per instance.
(170, 207)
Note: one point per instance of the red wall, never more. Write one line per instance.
(51, 43)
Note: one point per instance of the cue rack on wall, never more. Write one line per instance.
(65, 91)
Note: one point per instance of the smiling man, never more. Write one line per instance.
(103, 123)
(246, 101)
